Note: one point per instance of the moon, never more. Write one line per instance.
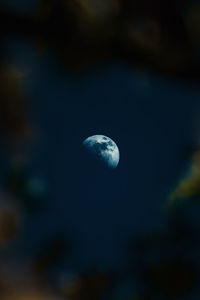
(103, 149)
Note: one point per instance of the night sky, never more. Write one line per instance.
(150, 118)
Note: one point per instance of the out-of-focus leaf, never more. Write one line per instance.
(51, 253)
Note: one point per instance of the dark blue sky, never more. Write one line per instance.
(150, 118)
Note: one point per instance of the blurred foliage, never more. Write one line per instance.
(166, 262)
(12, 108)
(87, 287)
(9, 219)
(188, 186)
(30, 191)
(163, 35)
(155, 35)
(50, 254)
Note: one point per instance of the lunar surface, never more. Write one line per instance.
(103, 149)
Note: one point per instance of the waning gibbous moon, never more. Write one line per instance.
(103, 149)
